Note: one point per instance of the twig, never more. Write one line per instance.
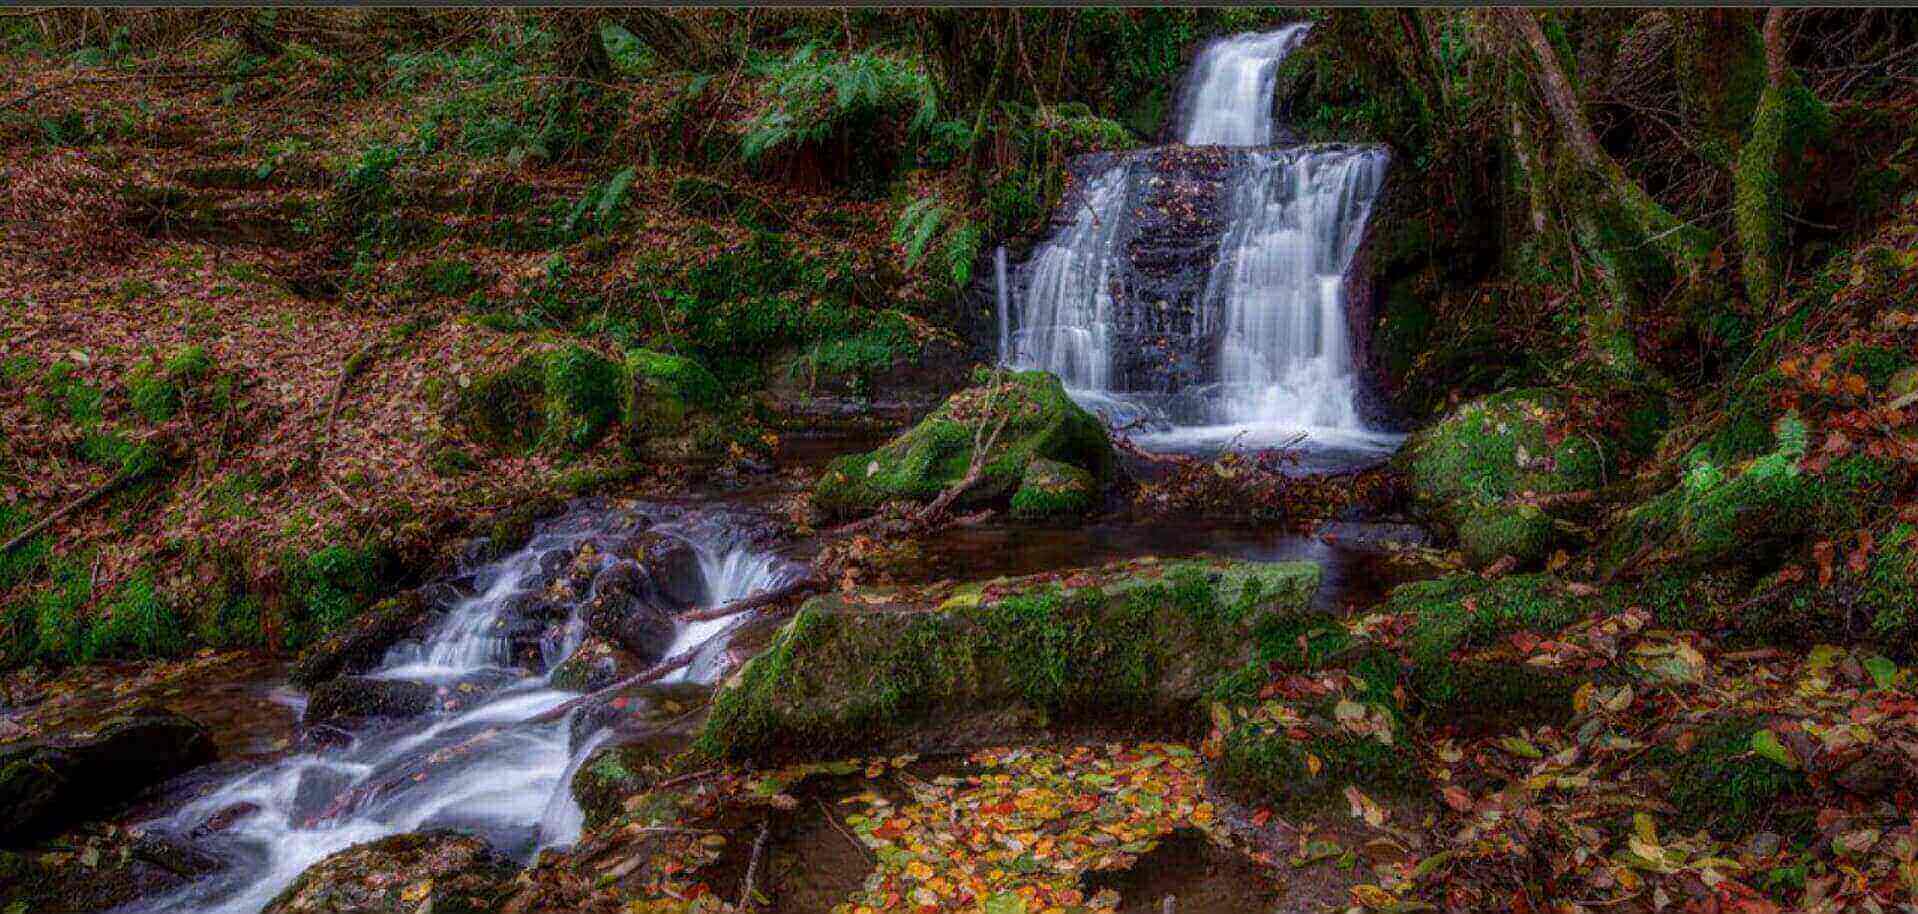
(72, 506)
(746, 901)
(348, 368)
(685, 778)
(652, 673)
(746, 604)
(841, 829)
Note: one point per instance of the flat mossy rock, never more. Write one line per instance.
(1042, 422)
(1471, 470)
(356, 698)
(441, 871)
(48, 786)
(1051, 489)
(1132, 641)
(560, 399)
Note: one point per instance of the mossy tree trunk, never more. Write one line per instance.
(1721, 71)
(1786, 116)
(1632, 242)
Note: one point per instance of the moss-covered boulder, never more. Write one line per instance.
(1460, 665)
(360, 644)
(1051, 489)
(1749, 512)
(1040, 422)
(560, 399)
(47, 786)
(440, 871)
(1132, 641)
(673, 408)
(1726, 784)
(1481, 470)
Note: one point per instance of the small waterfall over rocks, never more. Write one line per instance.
(1195, 295)
(487, 759)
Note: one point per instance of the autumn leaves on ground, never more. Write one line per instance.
(298, 304)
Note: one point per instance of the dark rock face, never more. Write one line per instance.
(356, 698)
(627, 609)
(440, 871)
(673, 566)
(128, 867)
(362, 643)
(46, 787)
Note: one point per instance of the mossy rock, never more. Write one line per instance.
(1725, 784)
(664, 393)
(1752, 512)
(441, 870)
(564, 399)
(1473, 469)
(1040, 422)
(1487, 533)
(1297, 777)
(1142, 641)
(1458, 618)
(1051, 489)
(618, 776)
(158, 392)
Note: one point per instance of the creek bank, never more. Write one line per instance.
(440, 871)
(48, 786)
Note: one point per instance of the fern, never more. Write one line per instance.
(818, 93)
(921, 222)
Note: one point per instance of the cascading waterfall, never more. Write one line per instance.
(1003, 296)
(487, 768)
(1268, 355)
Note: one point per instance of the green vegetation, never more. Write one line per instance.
(1725, 784)
(1039, 421)
(1148, 640)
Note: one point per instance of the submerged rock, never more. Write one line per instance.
(441, 871)
(1041, 422)
(1139, 641)
(355, 698)
(49, 786)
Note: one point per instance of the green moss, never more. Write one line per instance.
(135, 623)
(1466, 613)
(1272, 769)
(583, 393)
(63, 393)
(159, 393)
(447, 276)
(564, 399)
(113, 450)
(328, 588)
(1488, 532)
(1725, 785)
(1051, 489)
(1147, 641)
(1040, 422)
(47, 623)
(663, 392)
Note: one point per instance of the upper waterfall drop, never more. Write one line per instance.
(1198, 291)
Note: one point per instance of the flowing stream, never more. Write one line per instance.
(481, 767)
(1271, 350)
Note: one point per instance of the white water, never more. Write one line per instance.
(482, 769)
(1295, 218)
(1229, 95)
(1003, 296)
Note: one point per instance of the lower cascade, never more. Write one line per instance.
(488, 758)
(1196, 295)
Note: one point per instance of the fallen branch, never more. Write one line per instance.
(746, 901)
(348, 369)
(72, 506)
(806, 584)
(655, 672)
(841, 829)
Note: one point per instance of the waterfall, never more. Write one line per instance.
(1258, 350)
(1003, 295)
(485, 764)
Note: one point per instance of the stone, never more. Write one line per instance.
(1053, 490)
(356, 698)
(441, 871)
(362, 643)
(49, 786)
(626, 610)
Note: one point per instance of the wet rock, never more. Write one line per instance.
(223, 819)
(641, 709)
(361, 643)
(357, 698)
(440, 596)
(1132, 641)
(673, 566)
(598, 663)
(1877, 773)
(48, 786)
(1363, 535)
(127, 868)
(439, 871)
(626, 610)
(617, 774)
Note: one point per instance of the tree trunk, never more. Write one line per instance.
(1758, 200)
(1721, 71)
